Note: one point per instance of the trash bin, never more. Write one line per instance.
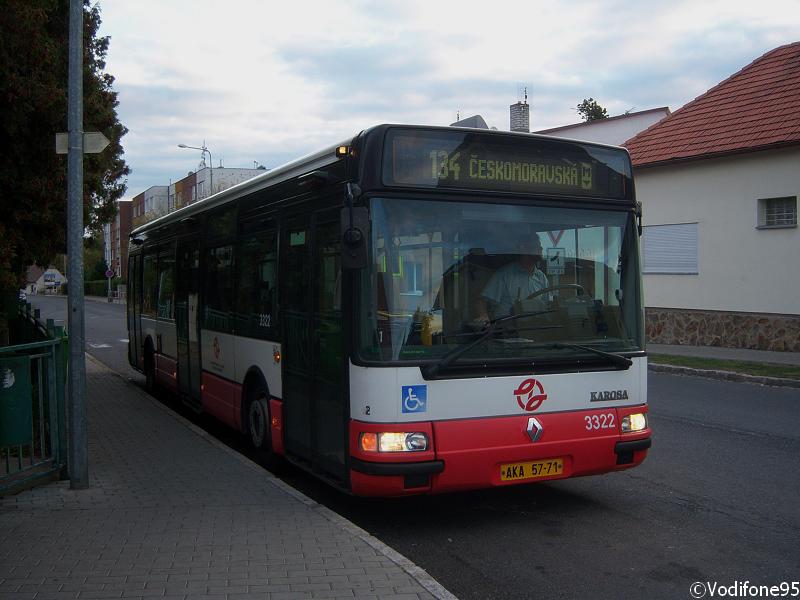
(16, 406)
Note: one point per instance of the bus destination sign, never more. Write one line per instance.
(475, 161)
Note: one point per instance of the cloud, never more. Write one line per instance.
(267, 82)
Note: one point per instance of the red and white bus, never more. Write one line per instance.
(417, 310)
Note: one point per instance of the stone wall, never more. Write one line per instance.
(726, 329)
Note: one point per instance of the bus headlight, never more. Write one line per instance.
(634, 422)
(394, 442)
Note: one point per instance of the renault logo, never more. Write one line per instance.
(534, 429)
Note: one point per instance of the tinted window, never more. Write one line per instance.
(218, 289)
(166, 284)
(149, 285)
(222, 223)
(256, 279)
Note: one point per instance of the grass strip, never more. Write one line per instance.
(737, 366)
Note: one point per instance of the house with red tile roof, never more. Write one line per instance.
(719, 180)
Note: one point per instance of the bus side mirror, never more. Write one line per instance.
(355, 233)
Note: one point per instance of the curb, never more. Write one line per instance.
(724, 375)
(421, 576)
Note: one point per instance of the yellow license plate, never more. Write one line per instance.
(531, 470)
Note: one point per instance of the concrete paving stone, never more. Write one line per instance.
(205, 521)
(290, 596)
(268, 588)
(345, 571)
(79, 587)
(328, 579)
(146, 576)
(287, 580)
(226, 589)
(101, 595)
(248, 581)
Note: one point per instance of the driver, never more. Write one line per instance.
(511, 285)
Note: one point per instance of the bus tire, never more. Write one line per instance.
(257, 424)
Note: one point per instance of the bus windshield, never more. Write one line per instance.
(543, 277)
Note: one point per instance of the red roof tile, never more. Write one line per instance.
(754, 109)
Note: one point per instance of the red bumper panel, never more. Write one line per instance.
(473, 453)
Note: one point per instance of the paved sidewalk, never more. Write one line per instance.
(172, 513)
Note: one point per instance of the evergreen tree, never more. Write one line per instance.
(33, 87)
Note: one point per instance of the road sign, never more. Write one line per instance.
(94, 142)
(554, 257)
(109, 273)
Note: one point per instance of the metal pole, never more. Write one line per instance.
(211, 164)
(76, 403)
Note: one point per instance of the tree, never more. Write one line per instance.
(590, 110)
(33, 87)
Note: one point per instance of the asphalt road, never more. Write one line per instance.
(716, 501)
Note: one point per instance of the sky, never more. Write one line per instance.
(263, 82)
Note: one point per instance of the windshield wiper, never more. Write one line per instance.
(430, 371)
(617, 359)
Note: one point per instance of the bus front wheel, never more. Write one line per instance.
(258, 426)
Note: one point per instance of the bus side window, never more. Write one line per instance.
(149, 285)
(166, 283)
(256, 279)
(218, 289)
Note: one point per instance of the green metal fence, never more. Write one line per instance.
(33, 441)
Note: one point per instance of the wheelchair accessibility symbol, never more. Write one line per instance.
(415, 398)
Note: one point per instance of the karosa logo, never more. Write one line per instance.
(530, 395)
(608, 395)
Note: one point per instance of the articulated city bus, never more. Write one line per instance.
(416, 310)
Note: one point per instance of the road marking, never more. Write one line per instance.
(124, 341)
(100, 345)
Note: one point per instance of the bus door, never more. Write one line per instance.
(314, 402)
(187, 291)
(134, 311)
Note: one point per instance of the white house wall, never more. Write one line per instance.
(613, 131)
(741, 268)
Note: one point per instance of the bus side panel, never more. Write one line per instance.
(261, 354)
(167, 338)
(276, 423)
(148, 331)
(222, 399)
(166, 372)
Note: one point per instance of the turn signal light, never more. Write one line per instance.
(369, 442)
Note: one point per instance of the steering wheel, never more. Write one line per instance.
(564, 286)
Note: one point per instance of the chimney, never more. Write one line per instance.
(520, 115)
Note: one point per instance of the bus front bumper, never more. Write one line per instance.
(480, 453)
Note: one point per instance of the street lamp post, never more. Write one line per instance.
(203, 149)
